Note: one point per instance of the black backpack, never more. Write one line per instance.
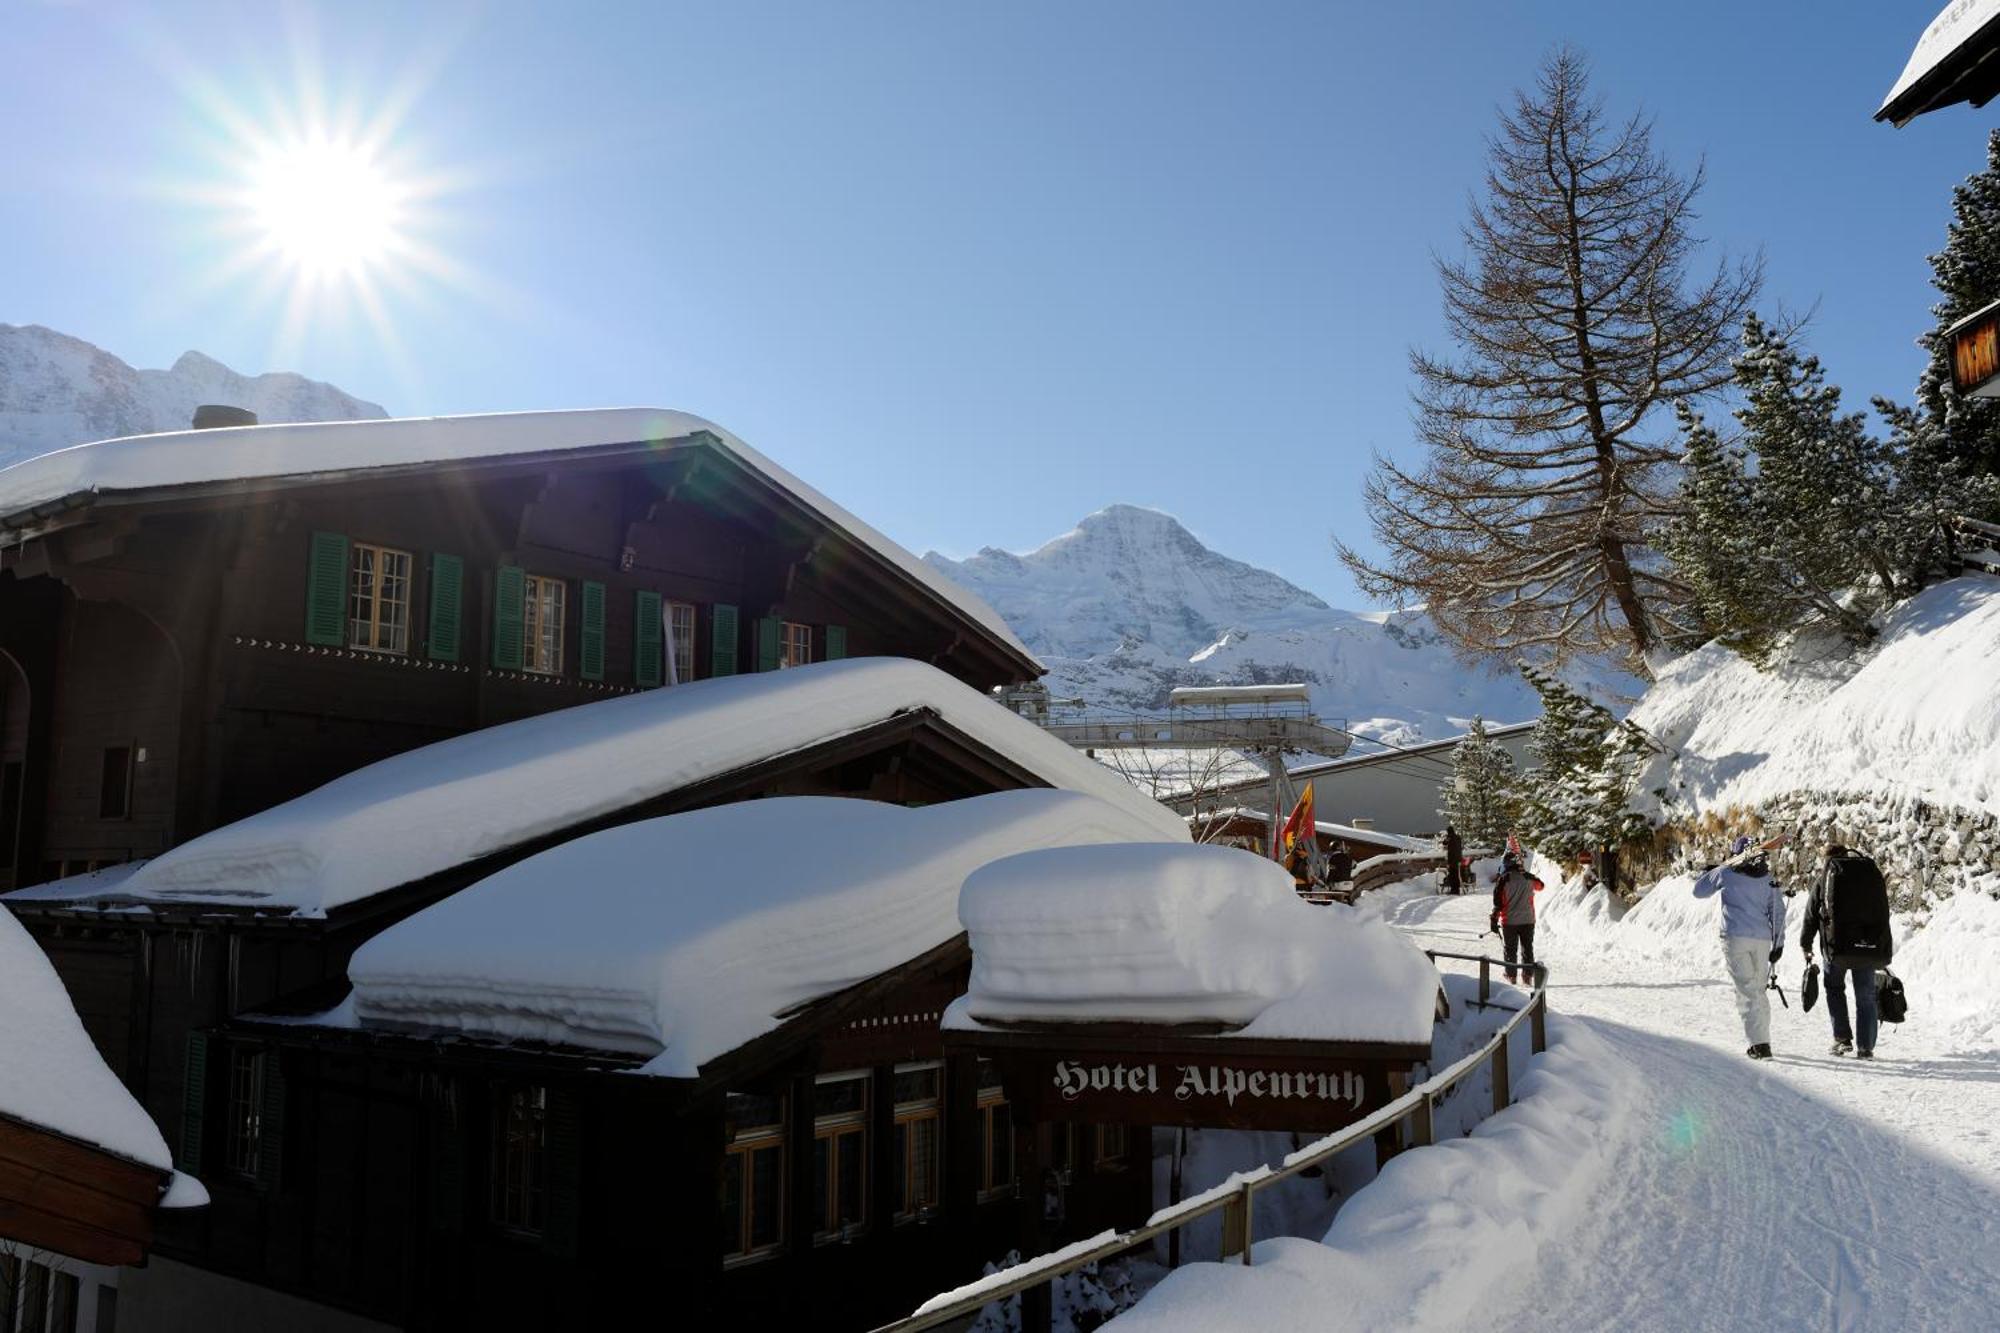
(1854, 912)
(1890, 1005)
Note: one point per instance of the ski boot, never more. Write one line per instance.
(1761, 1051)
(1841, 1047)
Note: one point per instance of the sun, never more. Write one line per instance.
(329, 208)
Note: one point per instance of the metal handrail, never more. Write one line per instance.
(1235, 1197)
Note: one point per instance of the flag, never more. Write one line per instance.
(1301, 820)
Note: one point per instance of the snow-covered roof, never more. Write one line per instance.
(1955, 25)
(50, 1072)
(443, 805)
(684, 937)
(307, 451)
(1326, 828)
(1161, 933)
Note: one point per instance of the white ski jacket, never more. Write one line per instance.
(1753, 907)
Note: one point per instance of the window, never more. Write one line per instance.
(378, 599)
(244, 1141)
(996, 1133)
(753, 1176)
(542, 625)
(520, 1159)
(680, 641)
(114, 790)
(840, 1153)
(1110, 1145)
(919, 1122)
(1062, 1149)
(796, 647)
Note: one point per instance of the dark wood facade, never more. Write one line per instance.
(383, 1195)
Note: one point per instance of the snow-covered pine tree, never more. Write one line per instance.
(1580, 317)
(1967, 275)
(1934, 484)
(1577, 797)
(1479, 801)
(1716, 542)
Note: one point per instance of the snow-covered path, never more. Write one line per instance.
(1803, 1193)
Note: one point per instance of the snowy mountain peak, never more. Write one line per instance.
(57, 390)
(1129, 604)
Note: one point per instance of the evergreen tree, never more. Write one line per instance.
(1580, 317)
(1577, 797)
(1716, 544)
(1967, 274)
(1480, 801)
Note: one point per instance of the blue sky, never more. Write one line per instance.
(973, 269)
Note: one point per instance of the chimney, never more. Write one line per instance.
(210, 415)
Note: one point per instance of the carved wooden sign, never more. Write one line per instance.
(1201, 1082)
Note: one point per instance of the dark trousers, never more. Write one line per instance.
(1521, 938)
(1864, 1003)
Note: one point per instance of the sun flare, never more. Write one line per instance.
(327, 207)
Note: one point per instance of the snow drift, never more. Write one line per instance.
(1180, 934)
(443, 805)
(683, 937)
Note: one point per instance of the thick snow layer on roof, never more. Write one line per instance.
(50, 1072)
(443, 805)
(307, 449)
(1180, 934)
(1955, 24)
(1917, 714)
(686, 936)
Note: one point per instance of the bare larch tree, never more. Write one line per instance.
(1531, 526)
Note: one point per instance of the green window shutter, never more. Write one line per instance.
(447, 1155)
(591, 667)
(768, 644)
(510, 593)
(722, 646)
(646, 643)
(447, 603)
(326, 590)
(271, 1124)
(836, 642)
(194, 1090)
(565, 1180)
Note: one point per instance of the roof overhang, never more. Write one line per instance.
(1956, 60)
(61, 1194)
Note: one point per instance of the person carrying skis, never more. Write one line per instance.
(1514, 891)
(1753, 932)
(1848, 916)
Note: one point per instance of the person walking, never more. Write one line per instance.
(1753, 932)
(1514, 891)
(1454, 856)
(1847, 915)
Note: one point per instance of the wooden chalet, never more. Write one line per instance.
(197, 627)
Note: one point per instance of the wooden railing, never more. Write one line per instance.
(1235, 1198)
(1988, 537)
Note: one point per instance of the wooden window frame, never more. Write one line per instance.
(746, 1143)
(530, 1148)
(795, 644)
(365, 633)
(670, 613)
(831, 1129)
(908, 1114)
(243, 1113)
(1111, 1148)
(995, 1127)
(532, 627)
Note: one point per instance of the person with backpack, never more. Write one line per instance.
(1753, 932)
(1848, 917)
(1514, 891)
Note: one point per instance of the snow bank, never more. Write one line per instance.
(1183, 933)
(1951, 971)
(320, 449)
(50, 1072)
(1915, 715)
(683, 937)
(1444, 1231)
(443, 805)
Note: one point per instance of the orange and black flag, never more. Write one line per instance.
(1301, 821)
